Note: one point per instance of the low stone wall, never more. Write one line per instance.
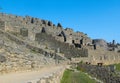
(45, 52)
(54, 77)
(105, 73)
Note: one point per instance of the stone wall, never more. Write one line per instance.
(15, 23)
(2, 24)
(65, 48)
(33, 48)
(54, 77)
(16, 57)
(106, 74)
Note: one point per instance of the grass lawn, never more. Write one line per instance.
(117, 67)
(70, 76)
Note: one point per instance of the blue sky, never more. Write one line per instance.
(98, 18)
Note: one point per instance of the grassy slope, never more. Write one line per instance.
(75, 77)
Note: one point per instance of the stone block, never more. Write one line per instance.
(24, 32)
(42, 80)
(58, 50)
(2, 58)
(112, 68)
(1, 43)
(2, 25)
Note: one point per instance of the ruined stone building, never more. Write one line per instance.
(44, 33)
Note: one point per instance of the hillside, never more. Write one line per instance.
(31, 44)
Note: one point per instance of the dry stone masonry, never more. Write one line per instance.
(29, 43)
(54, 77)
(32, 29)
(107, 74)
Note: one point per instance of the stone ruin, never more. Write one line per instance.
(113, 46)
(24, 32)
(34, 25)
(2, 24)
(107, 46)
(55, 42)
(31, 28)
(105, 74)
(44, 32)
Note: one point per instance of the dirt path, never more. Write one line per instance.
(25, 77)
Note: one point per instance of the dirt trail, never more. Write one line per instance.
(24, 77)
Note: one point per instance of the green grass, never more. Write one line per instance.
(33, 51)
(70, 76)
(66, 76)
(117, 67)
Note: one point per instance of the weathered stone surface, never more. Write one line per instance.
(15, 56)
(2, 24)
(1, 42)
(43, 21)
(51, 38)
(100, 42)
(2, 58)
(24, 32)
(66, 49)
(104, 73)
